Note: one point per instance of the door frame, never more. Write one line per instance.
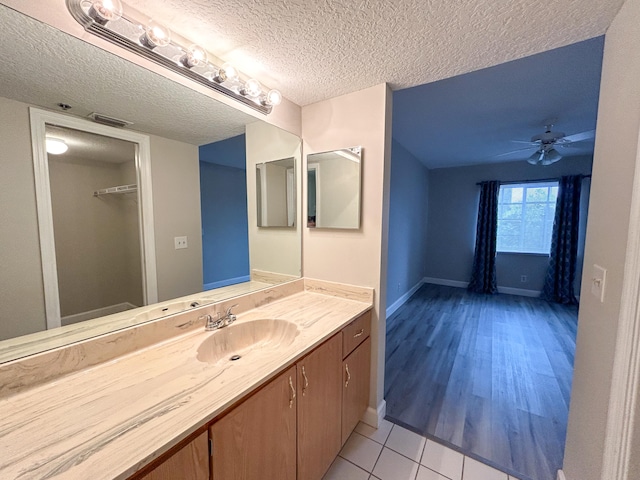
(39, 119)
(625, 380)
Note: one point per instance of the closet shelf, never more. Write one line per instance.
(119, 190)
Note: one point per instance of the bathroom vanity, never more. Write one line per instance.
(182, 408)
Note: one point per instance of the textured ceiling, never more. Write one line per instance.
(90, 146)
(314, 50)
(66, 69)
(472, 118)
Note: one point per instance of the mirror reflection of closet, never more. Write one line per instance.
(276, 193)
(95, 222)
(333, 189)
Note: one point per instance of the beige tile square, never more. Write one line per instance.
(474, 470)
(361, 451)
(443, 460)
(425, 474)
(406, 443)
(393, 466)
(379, 434)
(341, 469)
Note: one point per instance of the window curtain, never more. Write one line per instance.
(483, 275)
(558, 284)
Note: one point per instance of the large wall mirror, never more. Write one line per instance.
(201, 185)
(333, 188)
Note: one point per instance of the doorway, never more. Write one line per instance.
(95, 218)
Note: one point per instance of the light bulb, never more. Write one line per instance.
(103, 11)
(155, 35)
(273, 97)
(195, 56)
(230, 71)
(55, 146)
(536, 158)
(251, 88)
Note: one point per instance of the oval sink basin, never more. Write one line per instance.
(233, 342)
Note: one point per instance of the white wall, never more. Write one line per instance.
(356, 257)
(266, 245)
(607, 229)
(175, 175)
(21, 288)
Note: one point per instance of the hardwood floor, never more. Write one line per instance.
(488, 375)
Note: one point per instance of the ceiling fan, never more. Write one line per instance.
(545, 144)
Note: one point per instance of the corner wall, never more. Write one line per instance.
(408, 197)
(607, 232)
(357, 257)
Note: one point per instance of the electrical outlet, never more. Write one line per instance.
(180, 242)
(523, 279)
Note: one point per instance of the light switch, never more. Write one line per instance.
(598, 279)
(180, 242)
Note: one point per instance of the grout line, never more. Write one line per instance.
(357, 466)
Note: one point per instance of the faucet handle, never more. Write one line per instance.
(211, 324)
(229, 309)
(230, 317)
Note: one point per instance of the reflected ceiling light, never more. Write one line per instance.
(103, 11)
(108, 20)
(155, 35)
(55, 146)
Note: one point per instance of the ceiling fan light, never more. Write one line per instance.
(552, 156)
(536, 158)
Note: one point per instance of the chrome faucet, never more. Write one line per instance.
(227, 320)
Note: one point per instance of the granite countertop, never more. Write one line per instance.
(108, 421)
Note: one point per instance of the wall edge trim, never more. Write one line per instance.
(403, 299)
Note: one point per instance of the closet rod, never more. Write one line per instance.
(537, 180)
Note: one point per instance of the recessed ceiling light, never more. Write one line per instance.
(55, 146)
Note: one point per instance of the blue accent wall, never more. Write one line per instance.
(407, 223)
(223, 196)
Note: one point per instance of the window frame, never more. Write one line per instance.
(548, 226)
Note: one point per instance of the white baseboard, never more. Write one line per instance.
(403, 299)
(561, 475)
(445, 282)
(98, 312)
(506, 290)
(226, 282)
(373, 416)
(519, 291)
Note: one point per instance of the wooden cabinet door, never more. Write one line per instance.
(319, 409)
(257, 439)
(189, 463)
(355, 392)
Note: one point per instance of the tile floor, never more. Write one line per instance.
(395, 453)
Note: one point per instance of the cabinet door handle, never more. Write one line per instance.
(359, 333)
(306, 381)
(293, 393)
(346, 367)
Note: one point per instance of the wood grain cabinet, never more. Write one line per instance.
(191, 462)
(291, 428)
(356, 368)
(319, 409)
(257, 439)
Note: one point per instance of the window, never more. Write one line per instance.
(525, 217)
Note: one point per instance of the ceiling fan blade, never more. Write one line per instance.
(515, 151)
(533, 144)
(580, 137)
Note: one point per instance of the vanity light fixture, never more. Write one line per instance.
(108, 20)
(55, 146)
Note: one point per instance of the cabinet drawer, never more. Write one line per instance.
(355, 333)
